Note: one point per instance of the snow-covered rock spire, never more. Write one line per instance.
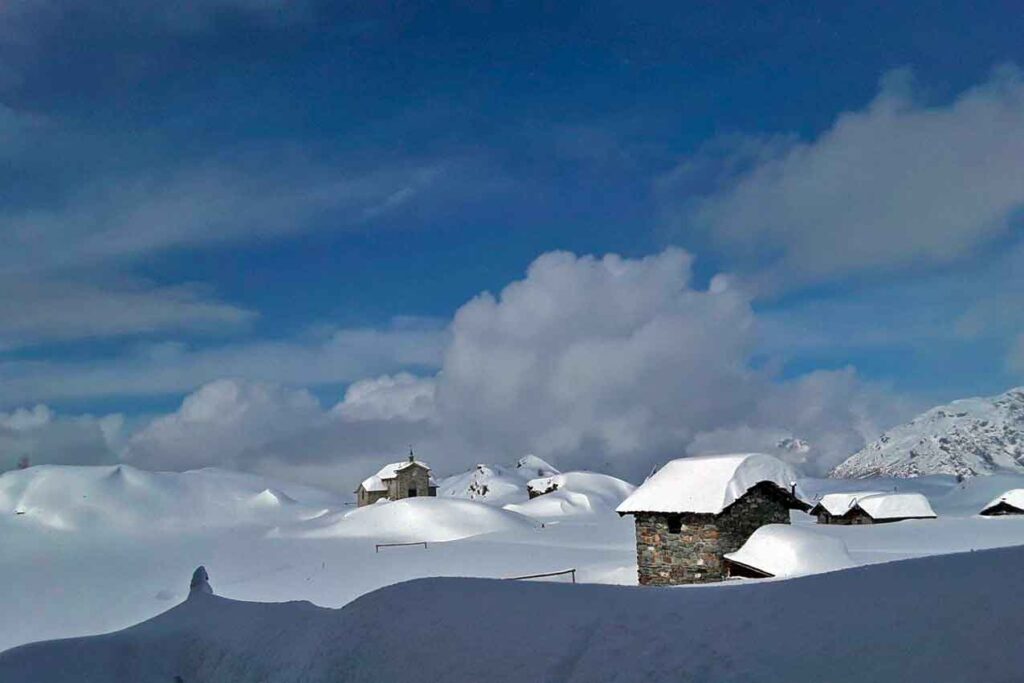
(200, 582)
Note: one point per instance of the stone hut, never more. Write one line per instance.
(1010, 503)
(407, 479)
(695, 510)
(871, 508)
(837, 508)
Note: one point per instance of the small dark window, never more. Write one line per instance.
(412, 493)
(675, 524)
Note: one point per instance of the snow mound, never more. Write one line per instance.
(707, 484)
(896, 506)
(412, 520)
(572, 494)
(783, 550)
(496, 484)
(965, 438)
(124, 498)
(920, 621)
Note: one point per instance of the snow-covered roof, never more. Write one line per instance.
(896, 506)
(840, 503)
(376, 482)
(1014, 497)
(707, 484)
(785, 550)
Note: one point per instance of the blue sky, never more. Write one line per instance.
(219, 190)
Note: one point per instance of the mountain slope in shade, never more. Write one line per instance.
(965, 438)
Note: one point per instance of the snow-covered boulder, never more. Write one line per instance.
(784, 550)
(707, 484)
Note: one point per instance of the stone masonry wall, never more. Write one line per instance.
(409, 478)
(694, 553)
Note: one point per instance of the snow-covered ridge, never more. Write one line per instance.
(966, 438)
(912, 624)
(496, 484)
(123, 498)
(573, 494)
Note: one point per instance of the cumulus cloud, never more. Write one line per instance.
(282, 431)
(899, 183)
(389, 397)
(604, 363)
(220, 422)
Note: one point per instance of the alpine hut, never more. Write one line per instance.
(693, 511)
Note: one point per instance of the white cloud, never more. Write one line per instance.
(34, 310)
(899, 183)
(329, 357)
(221, 422)
(611, 364)
(389, 397)
(120, 219)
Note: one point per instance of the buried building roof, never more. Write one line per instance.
(838, 504)
(784, 550)
(1011, 501)
(377, 481)
(708, 484)
(896, 506)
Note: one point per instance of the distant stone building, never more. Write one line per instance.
(870, 507)
(838, 508)
(1010, 503)
(695, 510)
(407, 479)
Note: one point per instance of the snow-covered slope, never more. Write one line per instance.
(128, 499)
(496, 484)
(968, 437)
(920, 621)
(574, 494)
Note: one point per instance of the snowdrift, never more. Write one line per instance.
(574, 494)
(920, 621)
(410, 520)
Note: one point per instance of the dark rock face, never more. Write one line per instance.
(689, 548)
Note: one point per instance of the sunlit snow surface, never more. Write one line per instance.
(94, 549)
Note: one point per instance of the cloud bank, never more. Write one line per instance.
(605, 363)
